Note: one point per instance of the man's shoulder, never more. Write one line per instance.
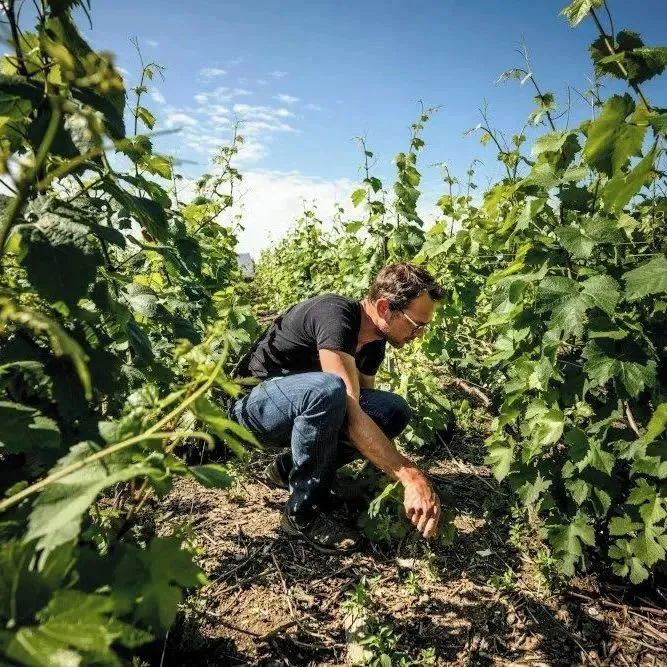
(325, 301)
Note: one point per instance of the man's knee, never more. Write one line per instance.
(329, 390)
(396, 415)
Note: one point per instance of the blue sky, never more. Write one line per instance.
(307, 77)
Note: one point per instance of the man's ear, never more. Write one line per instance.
(383, 308)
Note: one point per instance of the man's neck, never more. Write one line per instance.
(368, 331)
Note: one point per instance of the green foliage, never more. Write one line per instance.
(121, 312)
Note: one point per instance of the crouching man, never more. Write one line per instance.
(317, 363)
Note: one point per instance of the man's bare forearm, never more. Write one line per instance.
(374, 445)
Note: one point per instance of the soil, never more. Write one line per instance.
(478, 601)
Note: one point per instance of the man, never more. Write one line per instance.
(318, 362)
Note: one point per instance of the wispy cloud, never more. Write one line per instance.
(211, 72)
(278, 74)
(313, 107)
(152, 43)
(287, 99)
(262, 82)
(157, 96)
(178, 119)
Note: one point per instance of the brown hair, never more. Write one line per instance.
(401, 283)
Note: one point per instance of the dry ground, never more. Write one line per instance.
(271, 601)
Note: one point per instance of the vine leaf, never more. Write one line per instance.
(600, 368)
(212, 476)
(61, 344)
(60, 260)
(232, 433)
(25, 429)
(648, 278)
(567, 539)
(623, 187)
(611, 140)
(640, 62)
(154, 579)
(578, 10)
(58, 511)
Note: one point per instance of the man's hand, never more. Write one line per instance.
(422, 505)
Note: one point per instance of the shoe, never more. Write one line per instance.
(345, 488)
(273, 475)
(323, 534)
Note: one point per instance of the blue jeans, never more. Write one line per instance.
(307, 412)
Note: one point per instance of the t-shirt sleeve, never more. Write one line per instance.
(370, 357)
(334, 325)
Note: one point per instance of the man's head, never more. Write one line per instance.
(403, 298)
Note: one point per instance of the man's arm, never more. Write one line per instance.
(422, 505)
(366, 381)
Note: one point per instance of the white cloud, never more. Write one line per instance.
(152, 43)
(278, 74)
(250, 151)
(177, 119)
(287, 99)
(201, 98)
(211, 72)
(262, 82)
(313, 107)
(157, 96)
(271, 201)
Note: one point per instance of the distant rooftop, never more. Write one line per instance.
(246, 264)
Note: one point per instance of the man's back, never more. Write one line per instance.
(291, 344)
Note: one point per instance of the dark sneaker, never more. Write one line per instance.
(323, 533)
(274, 476)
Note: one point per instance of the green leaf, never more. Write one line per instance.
(623, 187)
(647, 547)
(157, 164)
(358, 196)
(60, 260)
(567, 539)
(58, 511)
(657, 424)
(146, 117)
(142, 300)
(32, 647)
(623, 525)
(154, 579)
(149, 214)
(600, 368)
(578, 10)
(573, 239)
(22, 590)
(567, 304)
(61, 344)
(603, 291)
(551, 142)
(232, 433)
(647, 279)
(611, 141)
(640, 62)
(26, 430)
(501, 454)
(212, 476)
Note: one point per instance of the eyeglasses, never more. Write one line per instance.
(417, 326)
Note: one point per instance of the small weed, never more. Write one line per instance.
(506, 581)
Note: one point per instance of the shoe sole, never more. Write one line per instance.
(294, 534)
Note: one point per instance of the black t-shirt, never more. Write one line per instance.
(291, 344)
